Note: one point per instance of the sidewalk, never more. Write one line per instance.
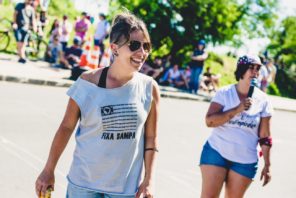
(41, 73)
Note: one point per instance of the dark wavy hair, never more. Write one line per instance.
(240, 71)
(123, 25)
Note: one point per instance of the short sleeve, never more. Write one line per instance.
(267, 110)
(18, 7)
(79, 93)
(219, 97)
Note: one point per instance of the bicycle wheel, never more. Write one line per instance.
(4, 41)
(36, 47)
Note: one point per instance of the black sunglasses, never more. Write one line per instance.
(252, 67)
(135, 45)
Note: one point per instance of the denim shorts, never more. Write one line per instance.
(21, 35)
(77, 192)
(210, 156)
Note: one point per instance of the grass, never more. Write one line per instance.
(226, 70)
(6, 12)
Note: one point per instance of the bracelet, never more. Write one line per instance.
(267, 141)
(151, 149)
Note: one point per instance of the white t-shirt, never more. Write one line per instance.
(263, 75)
(174, 75)
(237, 139)
(66, 30)
(102, 30)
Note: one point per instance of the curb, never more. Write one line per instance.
(36, 81)
(165, 92)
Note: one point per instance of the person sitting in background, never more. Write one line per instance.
(176, 78)
(55, 30)
(154, 70)
(54, 52)
(210, 81)
(187, 74)
(72, 55)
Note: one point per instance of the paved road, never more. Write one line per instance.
(30, 115)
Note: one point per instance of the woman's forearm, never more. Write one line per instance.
(149, 156)
(266, 154)
(58, 145)
(220, 118)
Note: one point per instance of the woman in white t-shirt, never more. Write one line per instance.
(117, 110)
(240, 121)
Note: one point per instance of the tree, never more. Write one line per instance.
(59, 8)
(283, 42)
(175, 25)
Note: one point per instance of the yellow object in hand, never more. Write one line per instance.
(47, 194)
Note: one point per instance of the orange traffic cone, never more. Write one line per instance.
(105, 61)
(85, 54)
(94, 58)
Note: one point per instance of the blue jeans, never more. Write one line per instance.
(77, 192)
(194, 78)
(210, 156)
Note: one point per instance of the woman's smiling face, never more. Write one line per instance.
(135, 58)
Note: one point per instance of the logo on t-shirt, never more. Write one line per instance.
(119, 121)
(244, 120)
(107, 110)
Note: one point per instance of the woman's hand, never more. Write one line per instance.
(145, 190)
(245, 104)
(265, 175)
(44, 182)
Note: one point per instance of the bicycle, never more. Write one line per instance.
(5, 30)
(35, 48)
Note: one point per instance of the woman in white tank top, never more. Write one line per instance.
(117, 109)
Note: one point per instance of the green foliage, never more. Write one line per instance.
(223, 66)
(59, 8)
(216, 58)
(6, 11)
(273, 90)
(283, 42)
(286, 83)
(186, 21)
(6, 14)
(283, 49)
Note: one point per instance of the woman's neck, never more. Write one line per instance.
(242, 88)
(118, 72)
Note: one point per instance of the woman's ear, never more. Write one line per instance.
(114, 48)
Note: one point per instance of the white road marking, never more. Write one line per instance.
(21, 154)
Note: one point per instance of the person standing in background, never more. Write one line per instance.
(81, 26)
(196, 65)
(66, 27)
(24, 20)
(101, 33)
